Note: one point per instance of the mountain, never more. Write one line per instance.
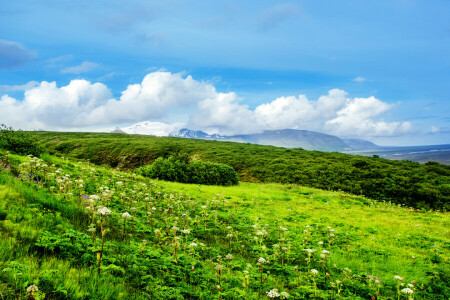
(357, 144)
(118, 130)
(288, 138)
(153, 128)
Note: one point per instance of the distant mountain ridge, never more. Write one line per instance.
(287, 138)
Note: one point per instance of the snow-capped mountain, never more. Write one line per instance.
(153, 128)
(288, 138)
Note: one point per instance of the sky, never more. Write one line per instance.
(374, 70)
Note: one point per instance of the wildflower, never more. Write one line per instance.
(398, 278)
(229, 235)
(229, 256)
(310, 250)
(192, 245)
(326, 252)
(32, 289)
(284, 295)
(407, 291)
(92, 229)
(94, 197)
(320, 243)
(186, 231)
(261, 260)
(314, 271)
(104, 211)
(126, 215)
(273, 293)
(219, 267)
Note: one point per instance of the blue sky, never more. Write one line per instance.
(250, 60)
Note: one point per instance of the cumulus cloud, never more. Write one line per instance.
(162, 94)
(84, 67)
(13, 55)
(356, 118)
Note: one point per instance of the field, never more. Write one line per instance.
(73, 230)
(423, 186)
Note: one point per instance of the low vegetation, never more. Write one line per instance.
(18, 141)
(72, 230)
(423, 186)
(180, 169)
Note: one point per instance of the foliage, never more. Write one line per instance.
(198, 172)
(402, 182)
(166, 240)
(18, 141)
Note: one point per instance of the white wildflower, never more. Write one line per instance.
(273, 293)
(407, 291)
(104, 211)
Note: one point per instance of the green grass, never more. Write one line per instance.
(45, 239)
(421, 186)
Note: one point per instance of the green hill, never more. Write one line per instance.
(403, 182)
(72, 230)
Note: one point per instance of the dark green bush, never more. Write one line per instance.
(19, 142)
(199, 172)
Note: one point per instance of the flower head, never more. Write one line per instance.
(261, 260)
(104, 211)
(407, 291)
(32, 289)
(126, 215)
(273, 293)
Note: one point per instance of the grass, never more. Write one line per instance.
(425, 186)
(45, 239)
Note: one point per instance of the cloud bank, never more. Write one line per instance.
(162, 94)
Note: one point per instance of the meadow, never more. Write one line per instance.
(423, 186)
(74, 230)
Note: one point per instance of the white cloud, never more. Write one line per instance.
(84, 67)
(19, 87)
(356, 119)
(162, 94)
(359, 79)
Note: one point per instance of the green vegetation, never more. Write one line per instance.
(19, 142)
(402, 182)
(71, 230)
(181, 170)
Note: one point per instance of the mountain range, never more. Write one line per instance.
(288, 138)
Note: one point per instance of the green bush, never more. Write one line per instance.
(19, 141)
(199, 172)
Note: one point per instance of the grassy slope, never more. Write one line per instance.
(403, 182)
(41, 232)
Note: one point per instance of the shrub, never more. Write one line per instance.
(18, 141)
(199, 172)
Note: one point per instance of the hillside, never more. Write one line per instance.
(404, 182)
(75, 231)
